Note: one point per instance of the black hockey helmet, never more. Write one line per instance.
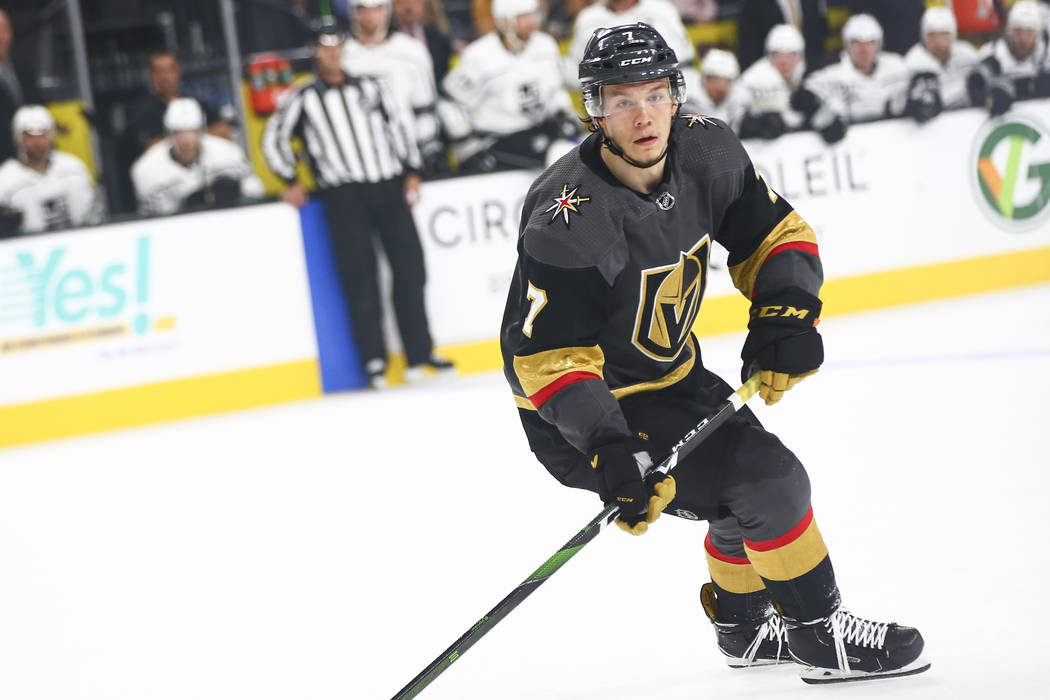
(628, 53)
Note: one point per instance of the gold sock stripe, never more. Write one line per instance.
(791, 560)
(735, 578)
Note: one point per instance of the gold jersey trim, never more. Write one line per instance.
(792, 228)
(673, 377)
(541, 369)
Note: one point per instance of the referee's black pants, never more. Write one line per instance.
(358, 215)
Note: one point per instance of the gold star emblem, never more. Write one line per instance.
(564, 203)
(698, 119)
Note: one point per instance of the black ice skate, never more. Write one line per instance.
(843, 647)
(747, 644)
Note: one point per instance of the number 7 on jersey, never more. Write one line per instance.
(538, 297)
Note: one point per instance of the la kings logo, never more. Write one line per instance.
(668, 303)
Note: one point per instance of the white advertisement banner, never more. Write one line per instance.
(891, 195)
(154, 300)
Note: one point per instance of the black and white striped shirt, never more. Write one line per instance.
(353, 132)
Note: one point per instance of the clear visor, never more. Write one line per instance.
(617, 100)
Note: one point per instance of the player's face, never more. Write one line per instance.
(785, 62)
(1023, 42)
(863, 55)
(717, 88)
(188, 143)
(164, 74)
(638, 117)
(37, 146)
(939, 44)
(525, 24)
(371, 20)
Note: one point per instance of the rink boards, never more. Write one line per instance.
(144, 321)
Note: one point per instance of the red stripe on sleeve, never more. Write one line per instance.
(786, 539)
(715, 554)
(804, 246)
(543, 395)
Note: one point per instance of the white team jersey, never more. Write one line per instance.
(660, 14)
(731, 110)
(951, 75)
(162, 183)
(1038, 62)
(404, 64)
(60, 197)
(858, 97)
(769, 92)
(503, 92)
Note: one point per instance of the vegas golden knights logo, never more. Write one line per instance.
(669, 302)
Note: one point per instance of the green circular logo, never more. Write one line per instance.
(1012, 172)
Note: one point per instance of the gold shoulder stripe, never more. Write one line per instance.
(676, 375)
(792, 228)
(543, 368)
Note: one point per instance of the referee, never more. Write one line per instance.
(364, 156)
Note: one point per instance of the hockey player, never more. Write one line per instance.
(607, 375)
(50, 188)
(660, 14)
(867, 83)
(404, 64)
(939, 64)
(720, 96)
(1016, 66)
(190, 168)
(508, 83)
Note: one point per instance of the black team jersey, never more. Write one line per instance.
(608, 281)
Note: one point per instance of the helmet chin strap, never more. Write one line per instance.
(617, 151)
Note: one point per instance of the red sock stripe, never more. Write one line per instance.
(786, 539)
(804, 246)
(543, 395)
(715, 554)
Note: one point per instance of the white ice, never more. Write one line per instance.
(332, 548)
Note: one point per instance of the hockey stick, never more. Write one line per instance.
(591, 530)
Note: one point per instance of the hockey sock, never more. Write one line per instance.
(741, 594)
(796, 570)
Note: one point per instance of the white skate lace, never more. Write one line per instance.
(773, 630)
(845, 627)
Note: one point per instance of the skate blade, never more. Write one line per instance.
(815, 675)
(740, 663)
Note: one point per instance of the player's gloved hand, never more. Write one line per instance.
(1000, 98)
(834, 131)
(782, 342)
(805, 101)
(621, 468)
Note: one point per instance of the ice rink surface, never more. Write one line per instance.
(332, 548)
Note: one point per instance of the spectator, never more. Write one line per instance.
(661, 15)
(509, 85)
(899, 19)
(146, 121)
(50, 188)
(360, 150)
(941, 62)
(1015, 66)
(412, 18)
(191, 169)
(405, 67)
(867, 83)
(18, 86)
(720, 96)
(758, 17)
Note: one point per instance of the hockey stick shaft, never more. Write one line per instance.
(591, 530)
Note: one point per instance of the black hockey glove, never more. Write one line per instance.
(621, 469)
(1000, 98)
(924, 97)
(805, 102)
(782, 342)
(834, 131)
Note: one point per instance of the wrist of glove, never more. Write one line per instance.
(782, 342)
(621, 469)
